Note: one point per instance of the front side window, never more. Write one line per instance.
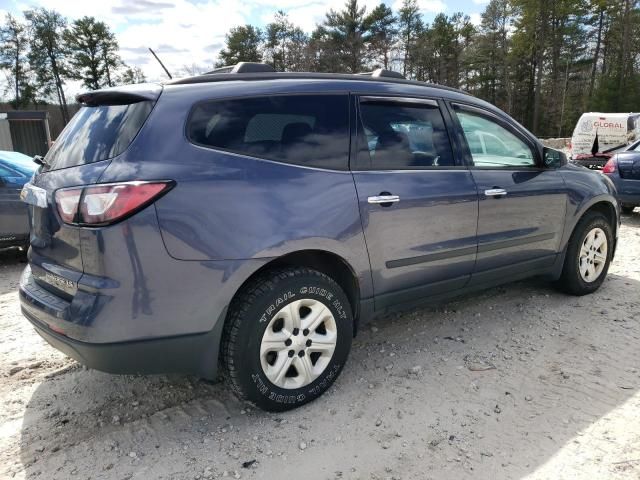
(310, 130)
(492, 145)
(403, 136)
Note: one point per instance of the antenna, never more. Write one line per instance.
(161, 64)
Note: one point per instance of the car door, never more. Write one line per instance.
(14, 220)
(418, 202)
(522, 203)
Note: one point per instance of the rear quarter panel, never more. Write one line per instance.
(232, 207)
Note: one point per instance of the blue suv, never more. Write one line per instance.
(252, 220)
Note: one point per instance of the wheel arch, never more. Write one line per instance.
(601, 205)
(324, 261)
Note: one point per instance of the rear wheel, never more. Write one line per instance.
(287, 337)
(588, 255)
(628, 209)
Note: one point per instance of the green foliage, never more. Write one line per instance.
(285, 45)
(344, 36)
(543, 61)
(131, 75)
(48, 53)
(383, 35)
(14, 46)
(94, 52)
(243, 45)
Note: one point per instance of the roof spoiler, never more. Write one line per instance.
(124, 95)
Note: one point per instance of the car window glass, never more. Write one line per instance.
(97, 133)
(492, 145)
(310, 130)
(6, 173)
(403, 136)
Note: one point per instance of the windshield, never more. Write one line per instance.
(97, 133)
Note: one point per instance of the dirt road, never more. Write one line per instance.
(517, 382)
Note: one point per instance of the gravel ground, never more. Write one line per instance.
(516, 382)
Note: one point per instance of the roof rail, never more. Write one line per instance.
(243, 67)
(381, 72)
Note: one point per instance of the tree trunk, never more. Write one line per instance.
(61, 97)
(596, 55)
(17, 79)
(539, 59)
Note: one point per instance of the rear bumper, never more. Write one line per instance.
(191, 354)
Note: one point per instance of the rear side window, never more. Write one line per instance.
(403, 136)
(309, 130)
(97, 133)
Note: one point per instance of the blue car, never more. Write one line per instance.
(623, 168)
(246, 222)
(16, 169)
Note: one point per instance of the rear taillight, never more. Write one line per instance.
(610, 166)
(97, 205)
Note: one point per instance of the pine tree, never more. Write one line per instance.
(13, 57)
(94, 52)
(243, 45)
(48, 54)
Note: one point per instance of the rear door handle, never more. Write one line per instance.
(381, 199)
(495, 192)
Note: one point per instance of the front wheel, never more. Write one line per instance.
(286, 339)
(588, 255)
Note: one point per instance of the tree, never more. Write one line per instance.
(93, 51)
(243, 45)
(48, 53)
(285, 44)
(383, 31)
(131, 75)
(487, 55)
(410, 27)
(13, 52)
(347, 33)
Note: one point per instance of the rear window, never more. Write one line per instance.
(97, 133)
(310, 130)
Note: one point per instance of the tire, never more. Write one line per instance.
(572, 280)
(260, 336)
(628, 209)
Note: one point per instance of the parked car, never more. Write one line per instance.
(598, 136)
(16, 169)
(623, 168)
(254, 220)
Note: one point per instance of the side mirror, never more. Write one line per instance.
(553, 158)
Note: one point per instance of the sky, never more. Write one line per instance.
(189, 33)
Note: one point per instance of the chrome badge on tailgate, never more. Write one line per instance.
(34, 195)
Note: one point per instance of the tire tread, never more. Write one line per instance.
(240, 305)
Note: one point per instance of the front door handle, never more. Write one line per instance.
(495, 192)
(384, 200)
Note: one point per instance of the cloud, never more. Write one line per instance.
(476, 18)
(308, 15)
(133, 7)
(480, 2)
(192, 32)
(425, 6)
